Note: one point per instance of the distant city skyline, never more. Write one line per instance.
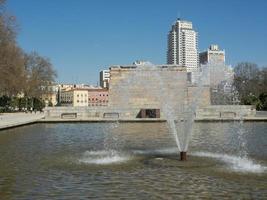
(84, 37)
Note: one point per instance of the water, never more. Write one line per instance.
(70, 161)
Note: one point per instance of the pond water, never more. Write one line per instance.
(133, 161)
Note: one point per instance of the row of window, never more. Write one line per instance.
(70, 98)
(99, 95)
(103, 101)
(85, 101)
(97, 104)
(82, 95)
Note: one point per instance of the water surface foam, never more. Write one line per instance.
(103, 157)
(239, 164)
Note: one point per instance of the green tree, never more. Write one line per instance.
(38, 104)
(14, 104)
(263, 101)
(263, 80)
(22, 103)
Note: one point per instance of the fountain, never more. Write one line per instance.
(145, 85)
(170, 88)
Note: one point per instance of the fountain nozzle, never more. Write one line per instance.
(183, 155)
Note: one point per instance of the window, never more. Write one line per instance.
(77, 101)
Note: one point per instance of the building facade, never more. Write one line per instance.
(74, 97)
(104, 78)
(84, 97)
(183, 45)
(50, 97)
(212, 55)
(98, 97)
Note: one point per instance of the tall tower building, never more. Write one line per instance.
(183, 45)
(104, 77)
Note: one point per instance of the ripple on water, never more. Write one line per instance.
(103, 157)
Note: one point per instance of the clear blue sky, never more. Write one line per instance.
(81, 37)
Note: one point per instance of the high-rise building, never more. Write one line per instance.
(212, 55)
(104, 78)
(183, 45)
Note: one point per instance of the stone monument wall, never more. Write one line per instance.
(150, 87)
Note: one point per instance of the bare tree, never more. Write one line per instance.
(40, 74)
(246, 80)
(8, 25)
(12, 77)
(11, 56)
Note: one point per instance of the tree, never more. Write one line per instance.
(8, 25)
(38, 104)
(263, 101)
(251, 84)
(263, 79)
(11, 56)
(21, 73)
(4, 103)
(12, 76)
(40, 74)
(246, 80)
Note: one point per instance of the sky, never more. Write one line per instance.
(83, 37)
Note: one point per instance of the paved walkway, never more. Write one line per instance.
(8, 120)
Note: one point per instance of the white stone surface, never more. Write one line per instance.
(8, 120)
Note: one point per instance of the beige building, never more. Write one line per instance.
(74, 97)
(50, 97)
(212, 55)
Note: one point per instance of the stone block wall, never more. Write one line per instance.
(199, 95)
(150, 87)
(225, 111)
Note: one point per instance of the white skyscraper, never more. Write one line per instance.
(183, 45)
(104, 78)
